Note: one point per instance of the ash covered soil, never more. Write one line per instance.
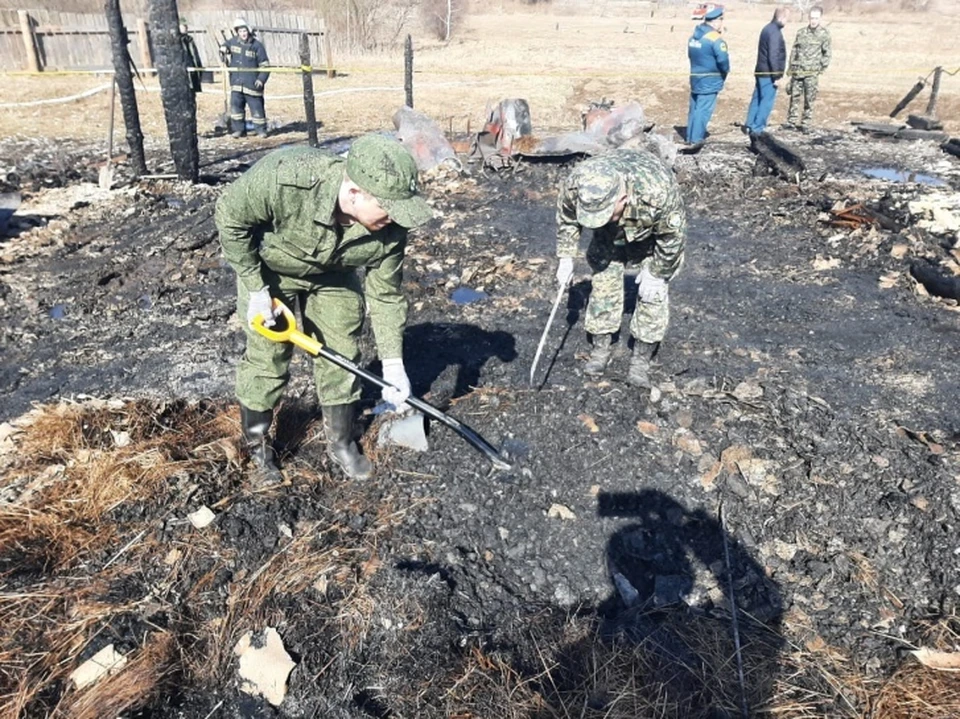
(806, 420)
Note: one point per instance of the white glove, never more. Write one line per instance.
(396, 396)
(261, 304)
(564, 271)
(650, 289)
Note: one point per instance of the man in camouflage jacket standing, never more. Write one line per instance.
(632, 203)
(809, 58)
(298, 226)
(245, 53)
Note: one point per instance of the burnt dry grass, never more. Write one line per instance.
(96, 551)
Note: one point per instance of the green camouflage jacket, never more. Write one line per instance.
(811, 51)
(280, 215)
(654, 211)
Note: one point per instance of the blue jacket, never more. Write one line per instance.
(709, 60)
(771, 53)
(248, 56)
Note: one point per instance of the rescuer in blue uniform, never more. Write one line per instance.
(709, 66)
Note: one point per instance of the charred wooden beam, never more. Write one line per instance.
(309, 105)
(924, 122)
(124, 78)
(176, 89)
(908, 98)
(408, 71)
(952, 146)
(934, 281)
(934, 92)
(881, 129)
(908, 133)
(899, 132)
(782, 158)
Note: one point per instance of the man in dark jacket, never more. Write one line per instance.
(771, 63)
(244, 53)
(709, 66)
(191, 56)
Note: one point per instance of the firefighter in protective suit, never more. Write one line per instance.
(245, 54)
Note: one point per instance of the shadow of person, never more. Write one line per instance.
(691, 628)
(446, 359)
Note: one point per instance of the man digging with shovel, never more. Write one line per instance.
(297, 227)
(632, 203)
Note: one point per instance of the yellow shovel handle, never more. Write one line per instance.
(288, 331)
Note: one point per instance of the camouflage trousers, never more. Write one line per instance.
(608, 261)
(803, 93)
(332, 308)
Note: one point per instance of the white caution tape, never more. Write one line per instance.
(58, 100)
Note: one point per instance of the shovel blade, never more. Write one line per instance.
(105, 178)
(9, 202)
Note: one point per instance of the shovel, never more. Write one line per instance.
(286, 331)
(105, 180)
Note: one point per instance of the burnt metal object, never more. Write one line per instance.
(782, 159)
(858, 215)
(934, 281)
(423, 137)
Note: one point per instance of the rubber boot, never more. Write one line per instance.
(599, 355)
(256, 436)
(338, 425)
(639, 373)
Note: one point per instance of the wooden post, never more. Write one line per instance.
(331, 72)
(309, 108)
(934, 93)
(29, 41)
(408, 70)
(143, 39)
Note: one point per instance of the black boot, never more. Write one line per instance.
(639, 373)
(338, 425)
(256, 435)
(599, 355)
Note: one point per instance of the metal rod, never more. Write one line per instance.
(546, 331)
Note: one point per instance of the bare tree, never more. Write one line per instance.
(176, 90)
(123, 76)
(443, 16)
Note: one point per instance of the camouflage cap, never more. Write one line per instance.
(597, 195)
(385, 169)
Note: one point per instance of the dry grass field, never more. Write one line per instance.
(559, 60)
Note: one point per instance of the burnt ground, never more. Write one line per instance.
(806, 419)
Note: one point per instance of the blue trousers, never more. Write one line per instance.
(761, 105)
(238, 102)
(701, 110)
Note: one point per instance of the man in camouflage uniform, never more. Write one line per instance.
(809, 58)
(298, 226)
(245, 53)
(632, 203)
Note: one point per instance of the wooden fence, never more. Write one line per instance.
(51, 40)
